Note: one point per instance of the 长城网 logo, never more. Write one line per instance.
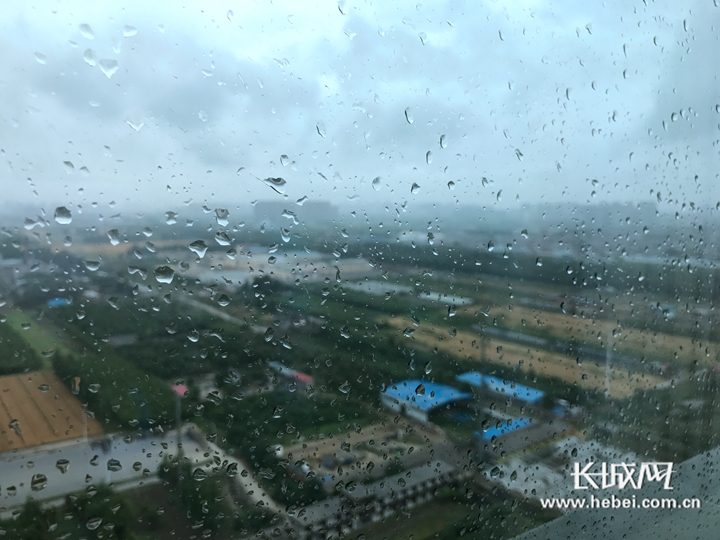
(621, 475)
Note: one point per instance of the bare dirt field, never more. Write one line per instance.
(36, 409)
(622, 383)
(376, 434)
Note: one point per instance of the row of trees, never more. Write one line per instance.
(117, 392)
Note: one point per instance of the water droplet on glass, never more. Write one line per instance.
(423, 37)
(272, 259)
(443, 141)
(344, 387)
(408, 332)
(114, 236)
(63, 465)
(93, 266)
(164, 274)
(93, 523)
(420, 390)
(194, 336)
(38, 482)
(129, 31)
(222, 216)
(409, 116)
(89, 57)
(47, 353)
(284, 160)
(222, 238)
(321, 129)
(414, 189)
(199, 474)
(269, 333)
(44, 388)
(15, 426)
(277, 184)
(113, 465)
(136, 124)
(428, 157)
(108, 67)
(199, 247)
(232, 470)
(86, 31)
(451, 185)
(224, 300)
(170, 218)
(519, 154)
(69, 167)
(41, 58)
(63, 216)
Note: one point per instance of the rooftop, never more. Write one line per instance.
(425, 395)
(501, 386)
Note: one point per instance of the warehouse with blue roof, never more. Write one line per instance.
(418, 399)
(510, 389)
(503, 429)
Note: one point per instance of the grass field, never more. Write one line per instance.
(37, 335)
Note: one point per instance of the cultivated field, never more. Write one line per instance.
(622, 383)
(36, 409)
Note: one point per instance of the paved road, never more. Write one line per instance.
(246, 481)
(212, 310)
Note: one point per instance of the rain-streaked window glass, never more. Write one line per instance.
(348, 269)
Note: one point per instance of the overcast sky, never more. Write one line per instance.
(153, 104)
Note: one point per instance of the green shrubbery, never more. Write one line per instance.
(116, 391)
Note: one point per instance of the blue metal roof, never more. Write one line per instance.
(434, 394)
(501, 386)
(473, 378)
(57, 302)
(505, 428)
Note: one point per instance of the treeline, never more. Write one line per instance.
(160, 341)
(117, 392)
(256, 424)
(679, 277)
(96, 513)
